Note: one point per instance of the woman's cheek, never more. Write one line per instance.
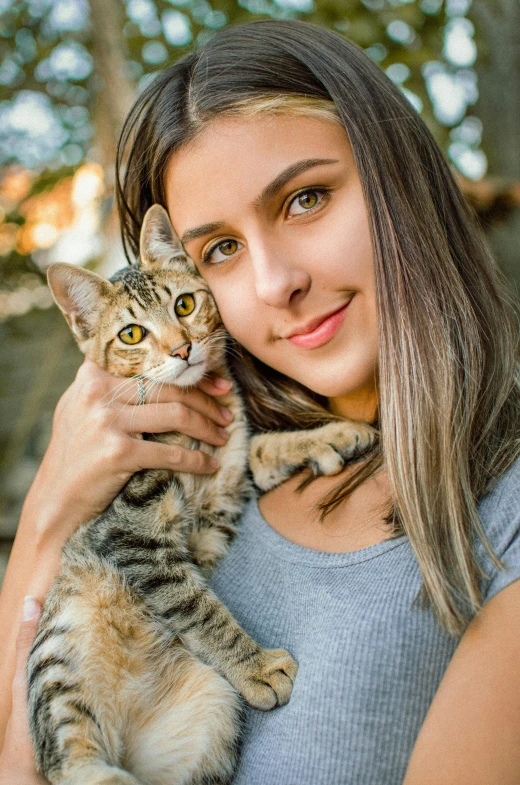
(236, 316)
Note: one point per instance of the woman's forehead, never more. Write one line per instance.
(261, 138)
(233, 159)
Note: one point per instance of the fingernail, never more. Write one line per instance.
(31, 609)
(214, 463)
(221, 383)
(223, 433)
(226, 414)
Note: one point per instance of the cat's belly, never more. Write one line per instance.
(185, 730)
(152, 708)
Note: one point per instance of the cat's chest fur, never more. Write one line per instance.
(189, 515)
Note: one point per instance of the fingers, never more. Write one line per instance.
(215, 385)
(166, 417)
(152, 455)
(97, 387)
(123, 392)
(102, 399)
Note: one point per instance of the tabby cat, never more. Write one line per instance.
(136, 672)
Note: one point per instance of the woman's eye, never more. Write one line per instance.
(306, 201)
(219, 252)
(132, 334)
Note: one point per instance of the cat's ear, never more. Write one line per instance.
(159, 244)
(79, 295)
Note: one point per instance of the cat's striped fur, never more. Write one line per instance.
(137, 667)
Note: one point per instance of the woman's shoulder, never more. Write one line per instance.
(499, 512)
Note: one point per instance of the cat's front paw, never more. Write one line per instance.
(326, 449)
(274, 457)
(350, 439)
(269, 679)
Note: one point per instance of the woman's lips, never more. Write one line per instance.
(322, 333)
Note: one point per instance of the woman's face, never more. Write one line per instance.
(272, 212)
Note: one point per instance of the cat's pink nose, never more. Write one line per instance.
(183, 352)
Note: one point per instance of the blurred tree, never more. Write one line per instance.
(498, 25)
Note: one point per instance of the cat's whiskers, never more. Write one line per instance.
(160, 385)
(118, 391)
(219, 334)
(231, 351)
(216, 340)
(149, 383)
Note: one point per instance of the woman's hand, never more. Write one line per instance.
(96, 444)
(17, 757)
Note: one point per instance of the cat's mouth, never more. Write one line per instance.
(193, 365)
(190, 375)
(183, 373)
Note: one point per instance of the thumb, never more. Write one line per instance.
(17, 754)
(28, 625)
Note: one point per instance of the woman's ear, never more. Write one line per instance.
(159, 244)
(79, 294)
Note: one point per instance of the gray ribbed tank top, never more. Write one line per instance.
(369, 662)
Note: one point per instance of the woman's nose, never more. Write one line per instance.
(278, 279)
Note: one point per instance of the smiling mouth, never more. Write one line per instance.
(322, 332)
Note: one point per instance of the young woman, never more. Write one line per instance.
(355, 283)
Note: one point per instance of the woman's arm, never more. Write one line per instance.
(17, 759)
(471, 734)
(95, 447)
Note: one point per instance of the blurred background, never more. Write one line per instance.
(69, 71)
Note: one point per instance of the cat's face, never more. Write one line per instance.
(157, 319)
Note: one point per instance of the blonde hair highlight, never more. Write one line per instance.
(448, 337)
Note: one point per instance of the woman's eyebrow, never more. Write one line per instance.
(269, 191)
(292, 171)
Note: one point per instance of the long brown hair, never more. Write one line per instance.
(449, 393)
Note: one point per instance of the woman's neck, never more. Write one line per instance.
(360, 405)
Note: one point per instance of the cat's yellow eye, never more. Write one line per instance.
(132, 334)
(184, 304)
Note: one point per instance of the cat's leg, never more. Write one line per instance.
(221, 497)
(208, 543)
(174, 590)
(273, 457)
(219, 503)
(180, 597)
